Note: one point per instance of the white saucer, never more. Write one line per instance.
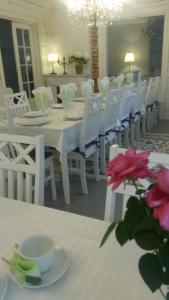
(59, 268)
(34, 114)
(58, 106)
(33, 121)
(3, 285)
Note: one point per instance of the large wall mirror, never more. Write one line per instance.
(141, 37)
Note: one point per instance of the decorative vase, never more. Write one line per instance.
(79, 69)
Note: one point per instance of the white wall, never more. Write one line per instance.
(123, 38)
(63, 36)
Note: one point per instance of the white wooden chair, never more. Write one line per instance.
(156, 103)
(18, 170)
(18, 102)
(88, 140)
(126, 104)
(138, 112)
(49, 157)
(109, 131)
(43, 97)
(128, 190)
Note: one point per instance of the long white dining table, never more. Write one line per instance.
(94, 273)
(60, 134)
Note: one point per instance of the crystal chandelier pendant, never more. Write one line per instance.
(94, 12)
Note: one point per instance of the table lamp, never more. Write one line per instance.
(129, 58)
(52, 57)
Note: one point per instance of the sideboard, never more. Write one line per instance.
(55, 80)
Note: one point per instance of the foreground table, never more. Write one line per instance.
(109, 273)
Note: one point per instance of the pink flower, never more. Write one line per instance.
(162, 214)
(163, 180)
(130, 165)
(155, 197)
(158, 198)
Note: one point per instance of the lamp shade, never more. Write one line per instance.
(52, 57)
(129, 57)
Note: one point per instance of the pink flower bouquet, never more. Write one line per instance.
(147, 216)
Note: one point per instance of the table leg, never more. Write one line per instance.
(65, 177)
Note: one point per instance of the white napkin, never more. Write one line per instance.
(67, 93)
(119, 80)
(104, 85)
(130, 78)
(43, 97)
(87, 88)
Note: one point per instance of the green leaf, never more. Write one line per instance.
(121, 233)
(108, 232)
(134, 216)
(132, 201)
(148, 240)
(150, 269)
(149, 224)
(167, 296)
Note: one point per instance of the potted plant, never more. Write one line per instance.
(79, 61)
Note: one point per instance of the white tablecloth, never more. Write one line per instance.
(109, 273)
(59, 133)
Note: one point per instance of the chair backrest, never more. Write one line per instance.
(43, 97)
(104, 85)
(148, 93)
(10, 120)
(126, 102)
(87, 89)
(68, 93)
(138, 105)
(20, 170)
(18, 102)
(91, 124)
(111, 110)
(128, 190)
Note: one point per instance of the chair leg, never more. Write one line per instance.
(52, 182)
(138, 130)
(83, 175)
(96, 165)
(126, 132)
(132, 133)
(119, 138)
(143, 124)
(102, 154)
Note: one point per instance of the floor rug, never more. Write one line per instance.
(154, 142)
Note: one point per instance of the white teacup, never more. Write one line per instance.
(40, 248)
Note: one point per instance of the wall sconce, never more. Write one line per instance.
(52, 57)
(129, 58)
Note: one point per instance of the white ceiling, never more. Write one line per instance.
(144, 7)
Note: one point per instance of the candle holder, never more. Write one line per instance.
(64, 64)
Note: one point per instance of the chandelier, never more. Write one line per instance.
(94, 12)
